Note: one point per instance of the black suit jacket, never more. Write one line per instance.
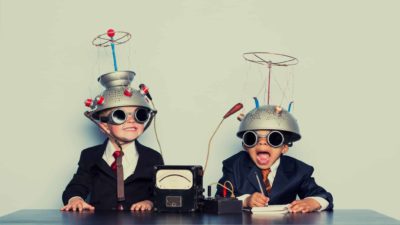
(292, 179)
(97, 182)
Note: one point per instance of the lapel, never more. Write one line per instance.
(139, 165)
(100, 161)
(283, 174)
(251, 176)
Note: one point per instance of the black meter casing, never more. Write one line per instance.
(178, 188)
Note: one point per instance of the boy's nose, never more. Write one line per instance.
(262, 141)
(130, 118)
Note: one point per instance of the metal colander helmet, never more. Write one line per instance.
(270, 117)
(118, 93)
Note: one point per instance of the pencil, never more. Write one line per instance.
(259, 183)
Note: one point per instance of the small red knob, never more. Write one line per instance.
(144, 88)
(128, 92)
(88, 102)
(100, 100)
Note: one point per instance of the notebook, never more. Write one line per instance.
(269, 209)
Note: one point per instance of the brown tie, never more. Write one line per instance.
(265, 178)
(116, 166)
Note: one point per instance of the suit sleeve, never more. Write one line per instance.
(309, 188)
(158, 160)
(227, 175)
(81, 183)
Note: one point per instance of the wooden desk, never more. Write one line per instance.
(54, 217)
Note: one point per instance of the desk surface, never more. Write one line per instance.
(41, 216)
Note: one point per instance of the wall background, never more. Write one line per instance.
(189, 54)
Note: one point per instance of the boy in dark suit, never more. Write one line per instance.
(262, 175)
(118, 173)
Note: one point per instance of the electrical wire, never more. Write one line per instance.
(209, 145)
(224, 186)
(155, 129)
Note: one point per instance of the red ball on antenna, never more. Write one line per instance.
(111, 33)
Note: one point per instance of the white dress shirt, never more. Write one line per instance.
(129, 160)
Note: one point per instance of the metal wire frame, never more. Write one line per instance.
(262, 58)
(103, 40)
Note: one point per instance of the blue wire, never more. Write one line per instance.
(114, 58)
(256, 102)
(290, 106)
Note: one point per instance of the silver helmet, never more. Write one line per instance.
(270, 117)
(118, 93)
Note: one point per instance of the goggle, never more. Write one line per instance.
(119, 116)
(275, 138)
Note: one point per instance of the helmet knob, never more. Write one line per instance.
(240, 117)
(128, 92)
(88, 102)
(278, 109)
(145, 91)
(99, 100)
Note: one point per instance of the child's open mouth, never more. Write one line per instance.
(263, 158)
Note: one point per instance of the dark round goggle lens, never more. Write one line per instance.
(250, 139)
(275, 139)
(142, 115)
(118, 116)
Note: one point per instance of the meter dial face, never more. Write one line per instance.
(174, 179)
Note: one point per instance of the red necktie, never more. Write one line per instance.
(116, 154)
(265, 178)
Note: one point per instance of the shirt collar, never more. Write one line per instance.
(275, 166)
(128, 149)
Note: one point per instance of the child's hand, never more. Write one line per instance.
(77, 204)
(256, 200)
(142, 206)
(304, 206)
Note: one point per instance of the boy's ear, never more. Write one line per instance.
(104, 127)
(285, 149)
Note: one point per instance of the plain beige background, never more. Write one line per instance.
(189, 53)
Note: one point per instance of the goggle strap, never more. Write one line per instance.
(103, 119)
